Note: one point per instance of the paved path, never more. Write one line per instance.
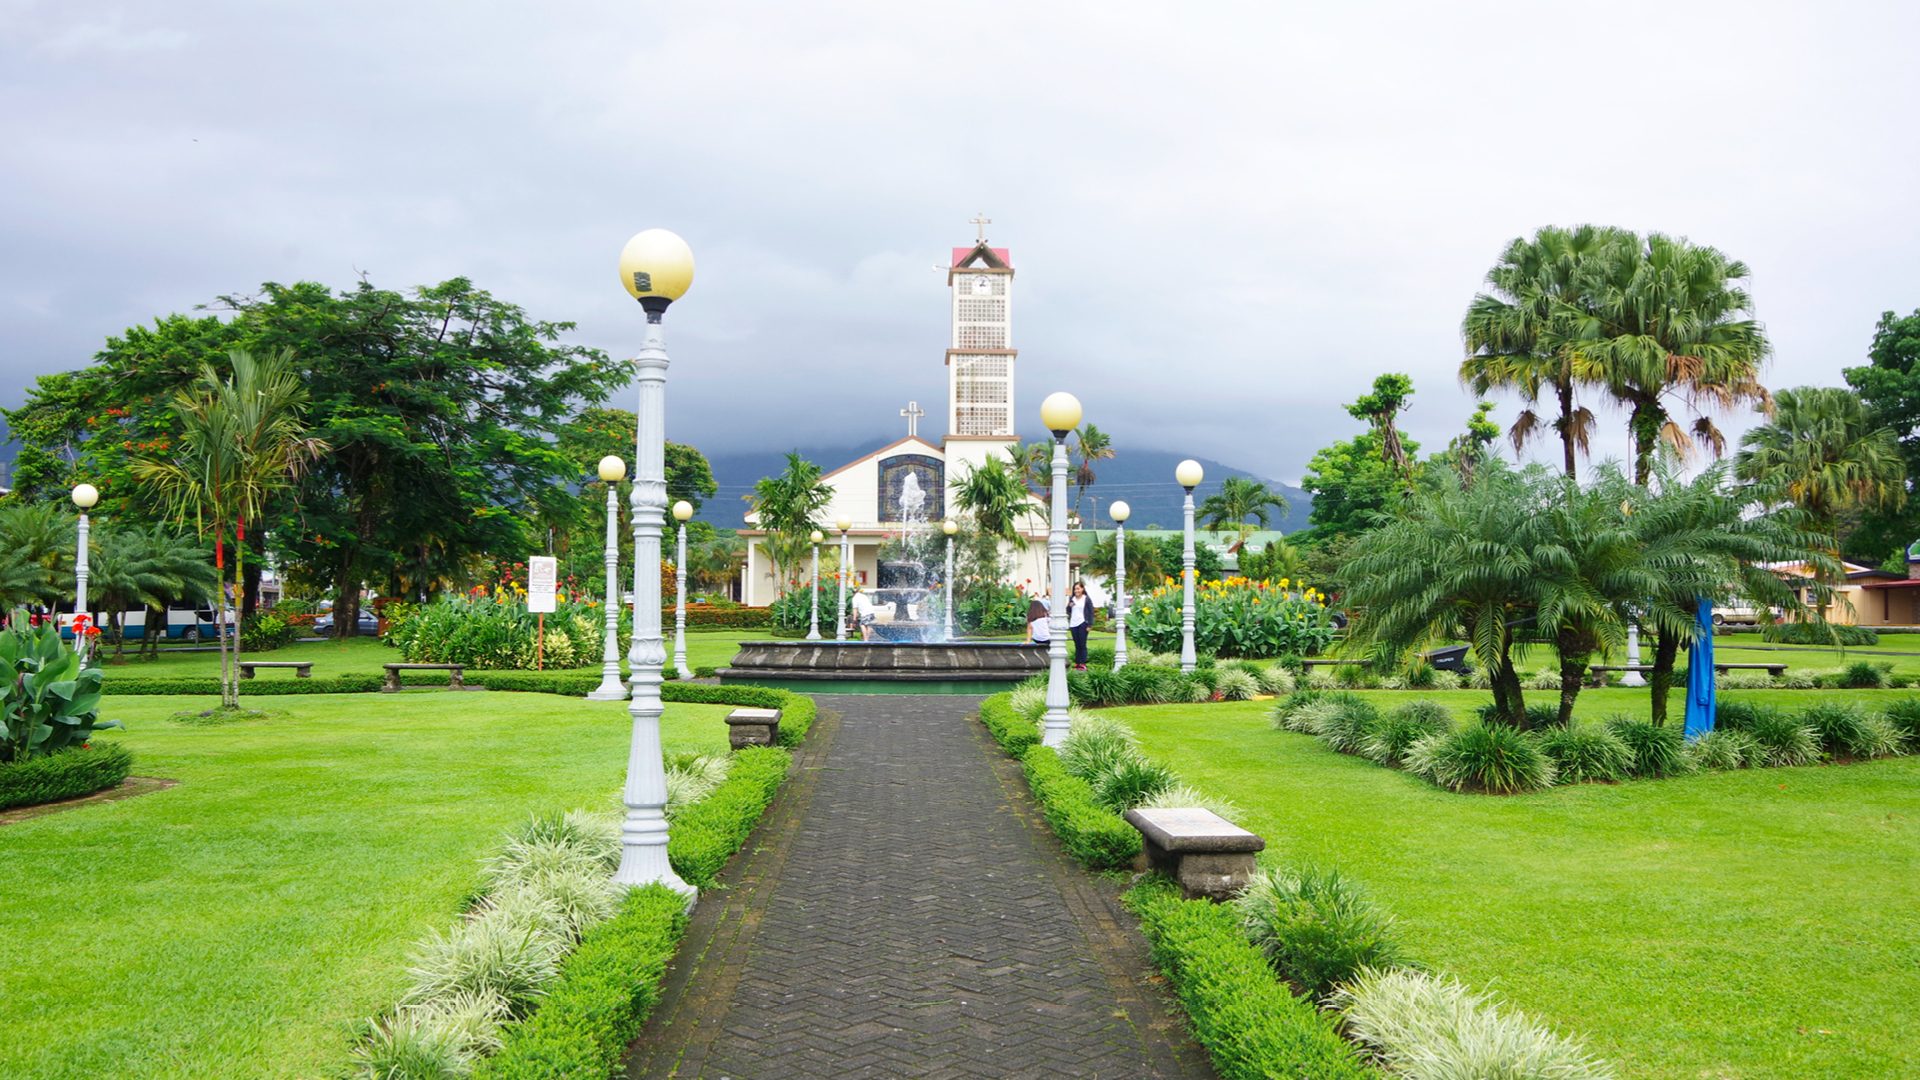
(903, 913)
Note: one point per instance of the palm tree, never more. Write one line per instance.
(39, 539)
(1090, 445)
(1238, 499)
(1825, 453)
(788, 506)
(1518, 334)
(242, 441)
(1667, 322)
(997, 497)
(146, 568)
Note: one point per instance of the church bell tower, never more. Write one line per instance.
(980, 353)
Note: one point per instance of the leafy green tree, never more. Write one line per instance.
(1824, 451)
(1664, 320)
(1239, 499)
(1353, 487)
(1889, 385)
(1466, 451)
(1381, 408)
(788, 507)
(243, 441)
(579, 530)
(1521, 334)
(1274, 562)
(996, 497)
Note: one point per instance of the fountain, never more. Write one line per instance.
(907, 650)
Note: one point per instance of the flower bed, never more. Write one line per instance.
(1234, 617)
(497, 633)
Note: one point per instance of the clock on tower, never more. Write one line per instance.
(980, 353)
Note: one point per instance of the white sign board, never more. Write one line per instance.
(543, 575)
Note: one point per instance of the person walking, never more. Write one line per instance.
(1079, 621)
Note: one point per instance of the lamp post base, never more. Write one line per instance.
(610, 689)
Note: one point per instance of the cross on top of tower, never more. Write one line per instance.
(980, 222)
(913, 412)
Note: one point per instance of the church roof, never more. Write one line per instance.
(888, 449)
(996, 258)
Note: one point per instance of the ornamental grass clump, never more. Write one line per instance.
(693, 777)
(1131, 782)
(503, 949)
(1233, 684)
(1658, 750)
(412, 1044)
(1094, 747)
(1316, 927)
(1783, 740)
(1485, 757)
(1851, 731)
(1347, 724)
(1725, 748)
(1275, 679)
(1099, 687)
(1028, 702)
(1904, 715)
(1866, 675)
(1586, 752)
(1430, 1027)
(1184, 796)
(1389, 740)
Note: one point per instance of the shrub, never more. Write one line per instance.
(703, 617)
(1252, 1026)
(1544, 679)
(76, 771)
(1284, 710)
(1146, 685)
(602, 996)
(693, 777)
(1096, 687)
(1389, 739)
(412, 1044)
(1725, 748)
(1904, 715)
(1801, 633)
(266, 631)
(1583, 752)
(1783, 739)
(1346, 724)
(1015, 733)
(51, 701)
(1744, 680)
(797, 711)
(1029, 703)
(1275, 679)
(706, 834)
(1235, 685)
(1877, 737)
(1426, 1026)
(1100, 656)
(1866, 675)
(1481, 757)
(1799, 679)
(1658, 750)
(1316, 927)
(502, 950)
(1735, 714)
(121, 684)
(1095, 836)
(1130, 782)
(1094, 747)
(498, 633)
(1838, 726)
(1181, 796)
(1235, 617)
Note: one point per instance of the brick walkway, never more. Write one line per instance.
(903, 912)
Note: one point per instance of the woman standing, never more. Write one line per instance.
(1079, 621)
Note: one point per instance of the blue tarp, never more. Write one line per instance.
(1700, 676)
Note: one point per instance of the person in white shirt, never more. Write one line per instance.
(1039, 622)
(1079, 621)
(862, 612)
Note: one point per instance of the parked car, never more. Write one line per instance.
(368, 624)
(1740, 613)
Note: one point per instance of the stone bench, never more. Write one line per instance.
(456, 680)
(302, 669)
(1207, 854)
(1775, 670)
(753, 727)
(1305, 664)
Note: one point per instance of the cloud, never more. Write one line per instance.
(1226, 218)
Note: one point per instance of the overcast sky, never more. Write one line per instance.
(1226, 219)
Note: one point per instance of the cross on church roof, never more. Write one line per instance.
(913, 412)
(980, 222)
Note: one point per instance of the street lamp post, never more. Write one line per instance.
(612, 471)
(813, 616)
(950, 527)
(1189, 474)
(85, 496)
(1061, 414)
(846, 568)
(656, 268)
(1120, 511)
(1632, 676)
(682, 513)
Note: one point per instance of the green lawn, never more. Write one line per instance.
(1760, 923)
(233, 926)
(364, 655)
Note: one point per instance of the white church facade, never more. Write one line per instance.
(981, 364)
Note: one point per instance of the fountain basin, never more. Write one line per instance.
(886, 667)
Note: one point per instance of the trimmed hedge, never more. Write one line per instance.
(705, 835)
(603, 995)
(68, 774)
(1098, 837)
(711, 618)
(1250, 1022)
(210, 686)
(1009, 729)
(796, 710)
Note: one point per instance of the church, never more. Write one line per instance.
(980, 418)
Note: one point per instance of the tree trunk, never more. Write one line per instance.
(1507, 695)
(1643, 426)
(255, 569)
(1565, 392)
(1574, 656)
(232, 689)
(154, 629)
(1666, 650)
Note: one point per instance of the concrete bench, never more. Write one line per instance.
(1207, 854)
(456, 680)
(1304, 664)
(302, 669)
(753, 727)
(1775, 670)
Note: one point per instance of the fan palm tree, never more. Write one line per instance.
(1664, 323)
(243, 440)
(1090, 445)
(1826, 454)
(1517, 333)
(788, 506)
(1238, 499)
